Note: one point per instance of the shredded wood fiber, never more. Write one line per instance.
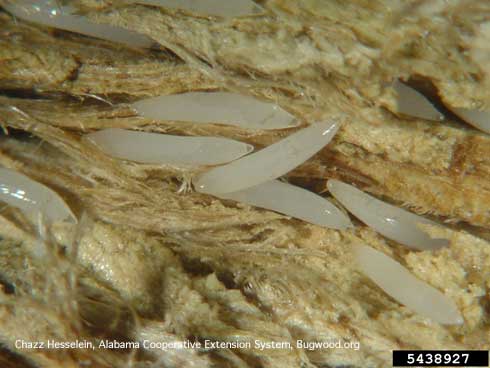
(151, 259)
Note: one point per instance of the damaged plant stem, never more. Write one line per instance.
(360, 214)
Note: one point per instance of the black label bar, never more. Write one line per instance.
(440, 358)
